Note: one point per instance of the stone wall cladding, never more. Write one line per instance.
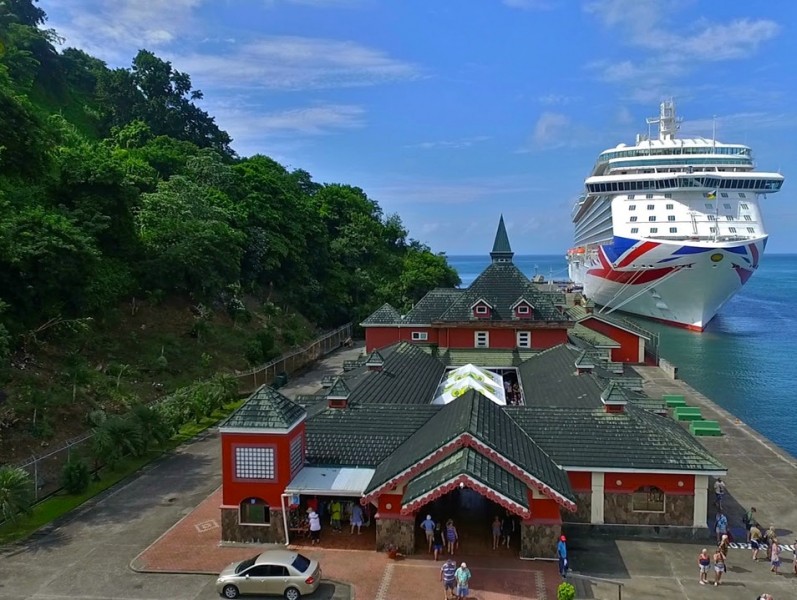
(400, 533)
(583, 512)
(539, 541)
(678, 510)
(232, 531)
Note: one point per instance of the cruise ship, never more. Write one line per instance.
(670, 228)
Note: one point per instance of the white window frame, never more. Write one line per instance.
(522, 309)
(297, 454)
(420, 336)
(481, 309)
(481, 339)
(523, 339)
(255, 463)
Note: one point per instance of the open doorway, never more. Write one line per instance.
(473, 517)
(338, 532)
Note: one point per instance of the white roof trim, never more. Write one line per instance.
(481, 301)
(519, 302)
(330, 481)
(263, 430)
(714, 472)
(475, 483)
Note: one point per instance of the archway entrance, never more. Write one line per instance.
(472, 515)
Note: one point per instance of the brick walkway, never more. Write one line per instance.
(192, 546)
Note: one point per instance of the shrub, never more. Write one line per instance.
(565, 591)
(16, 493)
(75, 476)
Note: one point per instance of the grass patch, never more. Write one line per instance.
(62, 503)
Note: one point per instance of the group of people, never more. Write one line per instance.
(758, 540)
(512, 393)
(439, 539)
(318, 509)
(456, 581)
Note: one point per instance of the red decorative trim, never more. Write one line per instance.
(487, 492)
(467, 440)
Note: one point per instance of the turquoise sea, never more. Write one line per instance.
(744, 359)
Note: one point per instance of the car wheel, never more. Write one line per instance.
(230, 591)
(292, 594)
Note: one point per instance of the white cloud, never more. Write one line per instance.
(674, 46)
(313, 120)
(550, 128)
(401, 192)
(296, 63)
(114, 29)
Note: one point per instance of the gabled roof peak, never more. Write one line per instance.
(375, 359)
(339, 390)
(502, 251)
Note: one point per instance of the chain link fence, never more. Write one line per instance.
(45, 469)
(291, 362)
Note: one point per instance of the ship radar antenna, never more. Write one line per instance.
(668, 123)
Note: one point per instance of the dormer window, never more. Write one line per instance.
(522, 309)
(482, 309)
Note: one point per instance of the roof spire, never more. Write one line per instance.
(502, 252)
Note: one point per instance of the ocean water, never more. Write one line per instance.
(745, 358)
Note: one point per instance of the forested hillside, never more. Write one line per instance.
(138, 250)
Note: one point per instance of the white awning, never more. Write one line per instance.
(323, 481)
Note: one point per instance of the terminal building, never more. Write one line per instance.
(478, 402)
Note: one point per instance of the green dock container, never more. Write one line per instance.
(687, 413)
(698, 428)
(673, 400)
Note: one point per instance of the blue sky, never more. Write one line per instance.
(450, 113)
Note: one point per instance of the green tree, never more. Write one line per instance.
(16, 493)
(75, 476)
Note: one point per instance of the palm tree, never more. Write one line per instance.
(16, 493)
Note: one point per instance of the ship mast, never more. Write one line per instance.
(668, 123)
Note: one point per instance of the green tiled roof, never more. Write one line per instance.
(482, 357)
(409, 375)
(633, 439)
(501, 285)
(468, 462)
(339, 389)
(550, 379)
(579, 313)
(384, 315)
(501, 249)
(266, 408)
(593, 337)
(431, 306)
(486, 421)
(361, 436)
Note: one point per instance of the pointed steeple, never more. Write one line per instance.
(502, 252)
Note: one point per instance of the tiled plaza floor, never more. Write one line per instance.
(192, 546)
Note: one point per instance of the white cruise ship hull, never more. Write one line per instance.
(680, 284)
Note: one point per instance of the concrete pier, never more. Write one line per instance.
(760, 474)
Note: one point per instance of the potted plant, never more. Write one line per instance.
(565, 591)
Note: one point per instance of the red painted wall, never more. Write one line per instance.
(544, 510)
(379, 337)
(233, 492)
(629, 342)
(630, 482)
(580, 481)
(548, 338)
(395, 504)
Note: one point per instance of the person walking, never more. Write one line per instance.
(719, 493)
(356, 518)
(451, 536)
(704, 562)
(721, 525)
(496, 532)
(335, 512)
(719, 566)
(507, 528)
(315, 526)
(754, 536)
(437, 540)
(427, 525)
(449, 578)
(561, 553)
(774, 555)
(749, 518)
(463, 581)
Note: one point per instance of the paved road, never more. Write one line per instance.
(87, 555)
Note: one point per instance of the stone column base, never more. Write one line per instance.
(539, 541)
(233, 531)
(398, 532)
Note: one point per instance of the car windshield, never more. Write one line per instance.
(245, 564)
(301, 563)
